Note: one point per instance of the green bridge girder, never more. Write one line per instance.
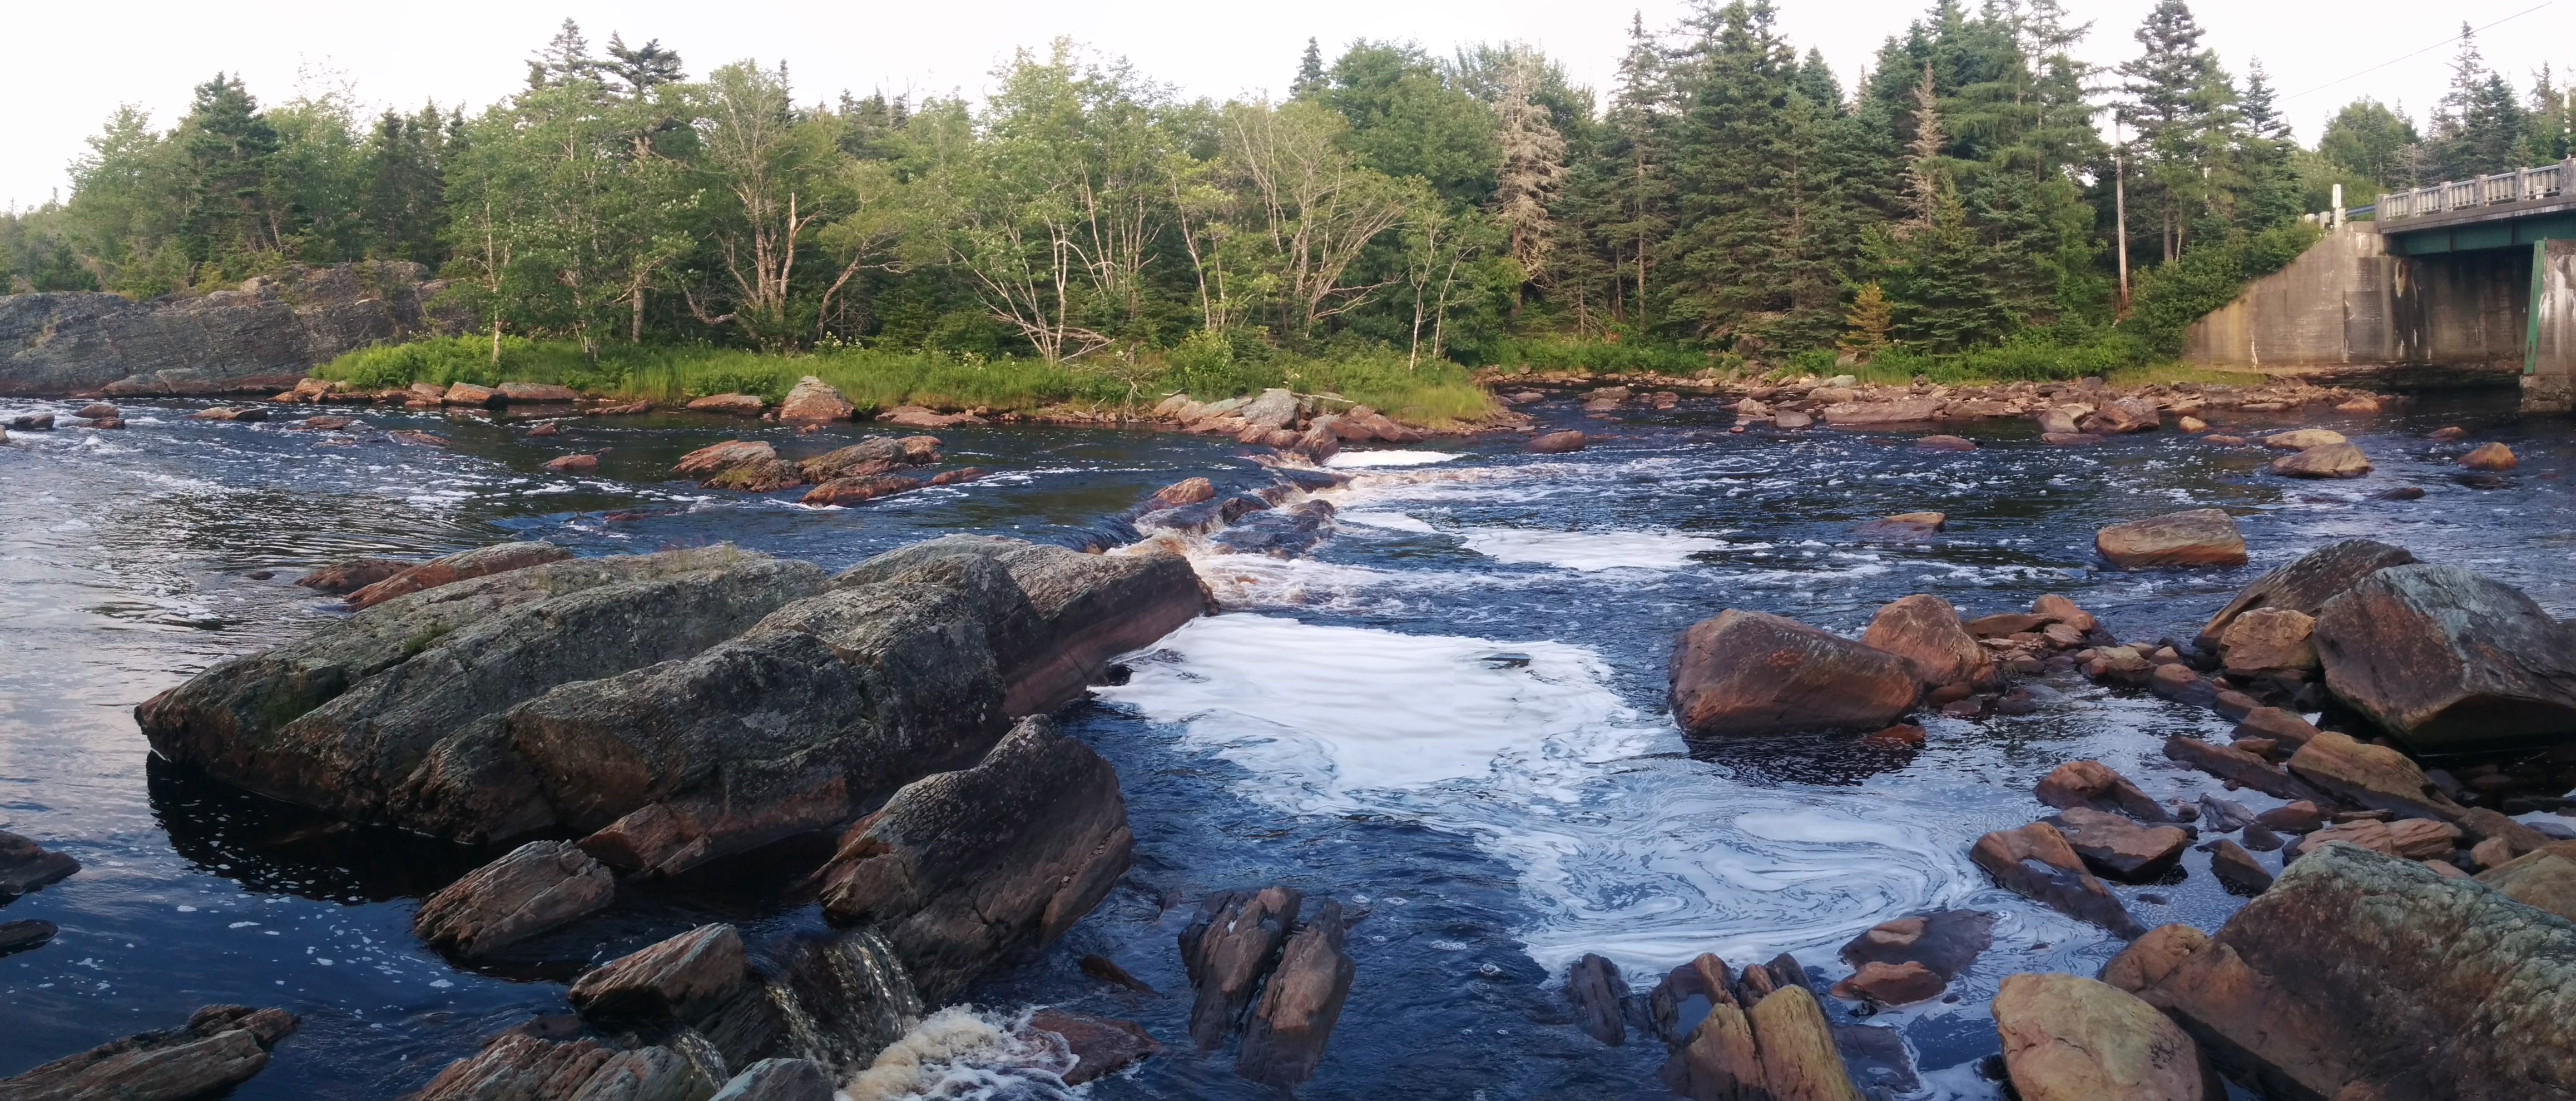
(2499, 229)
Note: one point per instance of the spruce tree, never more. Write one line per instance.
(1310, 71)
(2478, 127)
(230, 153)
(639, 69)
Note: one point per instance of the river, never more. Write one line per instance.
(1450, 717)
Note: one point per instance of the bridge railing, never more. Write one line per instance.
(2519, 185)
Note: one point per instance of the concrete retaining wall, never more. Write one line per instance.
(2345, 310)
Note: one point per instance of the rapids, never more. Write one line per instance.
(1449, 716)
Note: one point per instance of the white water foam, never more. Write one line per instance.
(1348, 460)
(961, 1053)
(1589, 551)
(1649, 860)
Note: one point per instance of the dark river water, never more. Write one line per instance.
(1340, 728)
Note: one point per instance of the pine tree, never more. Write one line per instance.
(1867, 324)
(1532, 170)
(1310, 72)
(1636, 163)
(638, 70)
(564, 59)
(230, 150)
(2478, 127)
(405, 192)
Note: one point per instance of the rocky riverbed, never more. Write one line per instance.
(1431, 733)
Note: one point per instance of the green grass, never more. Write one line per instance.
(1436, 395)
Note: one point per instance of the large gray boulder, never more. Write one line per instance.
(260, 338)
(2361, 975)
(2448, 660)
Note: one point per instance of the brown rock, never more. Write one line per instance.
(1600, 998)
(1188, 491)
(730, 405)
(717, 458)
(461, 566)
(2200, 537)
(357, 573)
(548, 428)
(1796, 1046)
(2069, 439)
(1284, 1041)
(2237, 869)
(519, 1067)
(2301, 439)
(2073, 1039)
(2228, 763)
(26, 866)
(574, 464)
(2121, 416)
(2036, 862)
(2493, 456)
(2280, 727)
(2307, 584)
(416, 438)
(2006, 624)
(625, 409)
(2447, 434)
(2541, 880)
(1925, 630)
(1900, 411)
(2058, 421)
(325, 424)
(1944, 942)
(1227, 949)
(539, 887)
(2151, 957)
(2064, 611)
(764, 476)
(98, 410)
(1791, 419)
(952, 477)
(1100, 1046)
(2299, 816)
(1719, 1061)
(1557, 443)
(2370, 776)
(914, 416)
(851, 491)
(1891, 984)
(2410, 838)
(2094, 785)
(533, 393)
(2221, 440)
(2191, 425)
(1903, 525)
(1899, 737)
(2334, 460)
(814, 401)
(2269, 638)
(2114, 846)
(1756, 673)
(1944, 443)
(672, 980)
(468, 394)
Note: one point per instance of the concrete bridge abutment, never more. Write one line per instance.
(2549, 363)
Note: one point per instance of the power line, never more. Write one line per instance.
(2421, 52)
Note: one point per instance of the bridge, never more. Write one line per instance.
(2466, 282)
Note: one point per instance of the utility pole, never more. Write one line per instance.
(2120, 211)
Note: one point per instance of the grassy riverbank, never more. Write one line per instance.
(1432, 395)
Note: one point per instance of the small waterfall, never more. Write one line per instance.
(842, 998)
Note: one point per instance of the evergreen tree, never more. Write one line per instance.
(640, 69)
(405, 199)
(2478, 128)
(1310, 71)
(564, 59)
(2180, 107)
(229, 149)
(1532, 170)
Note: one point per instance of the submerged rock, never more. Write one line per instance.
(2490, 456)
(539, 887)
(2114, 846)
(26, 866)
(1600, 998)
(1100, 1046)
(221, 1046)
(1557, 443)
(2036, 862)
(2448, 660)
(2073, 1039)
(341, 578)
(18, 936)
(460, 566)
(730, 405)
(2095, 785)
(961, 869)
(2359, 975)
(1943, 942)
(1748, 673)
(2199, 537)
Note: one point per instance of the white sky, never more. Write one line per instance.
(71, 64)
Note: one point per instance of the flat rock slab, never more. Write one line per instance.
(671, 980)
(2197, 538)
(2307, 584)
(221, 1046)
(1757, 673)
(26, 866)
(1100, 1046)
(537, 888)
(2115, 846)
(2097, 786)
(2036, 862)
(1944, 942)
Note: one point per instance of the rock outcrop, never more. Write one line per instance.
(2448, 660)
(2359, 976)
(1925, 630)
(1233, 941)
(1284, 1040)
(2036, 862)
(220, 1047)
(1751, 673)
(260, 338)
(963, 868)
(2199, 537)
(461, 566)
(678, 707)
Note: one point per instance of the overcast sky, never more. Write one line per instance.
(72, 64)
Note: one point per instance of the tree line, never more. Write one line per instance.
(1726, 199)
